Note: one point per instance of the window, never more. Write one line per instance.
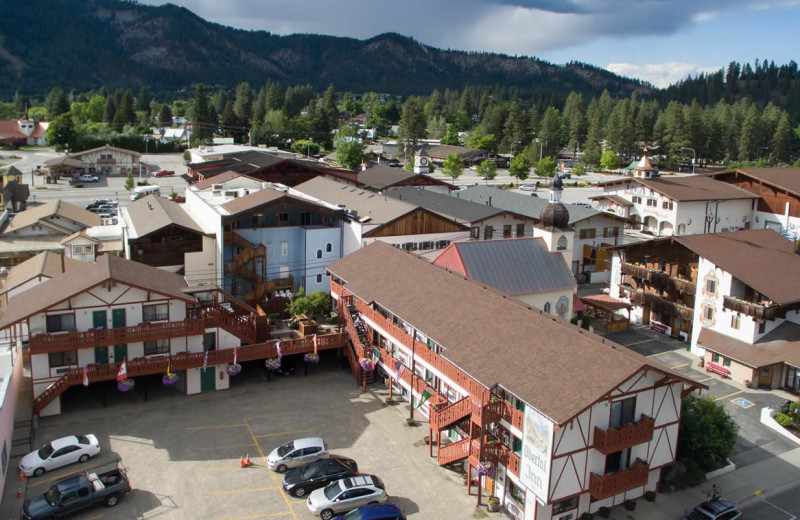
(652, 202)
(715, 358)
(520, 230)
(475, 233)
(726, 361)
(735, 319)
(507, 231)
(62, 359)
(283, 218)
(547, 307)
(762, 327)
(610, 232)
(305, 218)
(329, 248)
(708, 313)
(517, 493)
(155, 312)
(209, 341)
(82, 250)
(516, 446)
(587, 233)
(157, 346)
(667, 204)
(711, 286)
(319, 278)
(284, 248)
(617, 461)
(60, 322)
(622, 412)
(487, 232)
(637, 199)
(565, 505)
(319, 253)
(562, 244)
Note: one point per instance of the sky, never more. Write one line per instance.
(660, 41)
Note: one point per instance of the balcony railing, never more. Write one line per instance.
(445, 416)
(504, 410)
(618, 482)
(659, 304)
(757, 311)
(613, 440)
(659, 279)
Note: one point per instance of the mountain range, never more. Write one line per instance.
(86, 44)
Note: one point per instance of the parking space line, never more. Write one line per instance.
(729, 395)
(251, 445)
(271, 474)
(266, 515)
(51, 479)
(282, 433)
(232, 468)
(270, 415)
(658, 354)
(240, 491)
(216, 426)
(638, 342)
(679, 366)
(790, 515)
(706, 379)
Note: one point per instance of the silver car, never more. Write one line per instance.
(346, 494)
(297, 453)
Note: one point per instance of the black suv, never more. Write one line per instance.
(314, 475)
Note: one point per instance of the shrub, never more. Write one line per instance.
(707, 431)
(586, 321)
(783, 419)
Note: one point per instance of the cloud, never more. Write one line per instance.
(660, 74)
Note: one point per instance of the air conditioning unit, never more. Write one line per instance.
(216, 187)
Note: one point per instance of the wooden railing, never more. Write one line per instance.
(183, 361)
(236, 239)
(659, 278)
(510, 414)
(757, 311)
(452, 452)
(659, 304)
(610, 441)
(615, 483)
(445, 416)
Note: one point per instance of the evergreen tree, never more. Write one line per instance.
(451, 136)
(202, 128)
(56, 103)
(412, 124)
(165, 115)
(110, 110)
(274, 99)
(243, 107)
(781, 144)
(143, 100)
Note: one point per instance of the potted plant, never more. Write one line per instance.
(630, 505)
(366, 364)
(464, 478)
(273, 364)
(388, 399)
(410, 421)
(604, 512)
(493, 504)
(169, 380)
(311, 358)
(586, 516)
(233, 369)
(125, 385)
(650, 496)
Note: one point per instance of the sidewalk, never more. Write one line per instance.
(21, 445)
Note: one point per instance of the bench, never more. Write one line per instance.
(722, 371)
(660, 327)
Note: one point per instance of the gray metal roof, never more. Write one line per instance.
(521, 204)
(458, 208)
(516, 266)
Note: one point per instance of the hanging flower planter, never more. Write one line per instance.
(366, 364)
(486, 469)
(233, 369)
(273, 364)
(169, 380)
(311, 358)
(125, 385)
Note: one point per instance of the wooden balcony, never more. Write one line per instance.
(618, 482)
(452, 452)
(444, 416)
(659, 304)
(185, 360)
(242, 327)
(659, 279)
(505, 411)
(613, 440)
(756, 310)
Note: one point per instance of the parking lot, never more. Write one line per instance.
(183, 452)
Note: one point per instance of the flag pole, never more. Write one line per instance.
(413, 371)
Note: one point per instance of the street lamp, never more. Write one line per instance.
(694, 156)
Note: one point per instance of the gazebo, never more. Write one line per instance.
(607, 306)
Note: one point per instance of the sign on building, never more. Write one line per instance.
(534, 471)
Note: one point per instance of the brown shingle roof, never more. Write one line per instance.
(782, 345)
(761, 258)
(379, 177)
(686, 189)
(786, 178)
(106, 147)
(152, 213)
(254, 200)
(443, 150)
(59, 207)
(83, 278)
(48, 264)
(221, 178)
(524, 350)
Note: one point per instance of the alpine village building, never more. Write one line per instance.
(494, 389)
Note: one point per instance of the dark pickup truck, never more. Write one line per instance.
(72, 494)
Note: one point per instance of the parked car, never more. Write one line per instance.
(314, 475)
(529, 187)
(346, 494)
(297, 453)
(100, 202)
(374, 512)
(88, 177)
(162, 173)
(60, 452)
(75, 493)
(715, 509)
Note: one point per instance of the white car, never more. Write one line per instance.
(346, 494)
(60, 452)
(529, 187)
(296, 453)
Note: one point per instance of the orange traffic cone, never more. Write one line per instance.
(21, 477)
(247, 461)
(241, 462)
(19, 492)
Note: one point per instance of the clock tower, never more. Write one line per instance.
(421, 160)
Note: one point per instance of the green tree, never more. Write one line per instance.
(437, 127)
(482, 142)
(452, 166)
(296, 99)
(61, 131)
(125, 114)
(274, 99)
(451, 136)
(520, 167)
(243, 107)
(609, 160)
(412, 124)
(349, 148)
(202, 128)
(546, 167)
(781, 145)
(487, 170)
(95, 109)
(165, 115)
(304, 147)
(129, 182)
(56, 103)
(707, 432)
(110, 110)
(143, 100)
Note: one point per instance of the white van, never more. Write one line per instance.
(143, 191)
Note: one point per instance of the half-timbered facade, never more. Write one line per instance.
(494, 391)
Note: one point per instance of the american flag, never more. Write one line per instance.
(400, 371)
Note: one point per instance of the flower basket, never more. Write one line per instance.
(169, 380)
(366, 364)
(630, 505)
(311, 358)
(650, 496)
(493, 504)
(125, 385)
(233, 369)
(273, 364)
(486, 469)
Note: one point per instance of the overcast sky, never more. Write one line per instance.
(661, 41)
